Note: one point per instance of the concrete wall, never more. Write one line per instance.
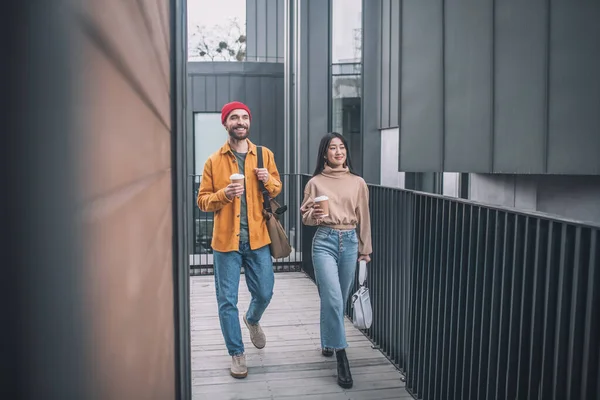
(576, 197)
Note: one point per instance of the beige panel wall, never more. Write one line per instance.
(126, 210)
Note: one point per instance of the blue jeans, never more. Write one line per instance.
(258, 268)
(335, 255)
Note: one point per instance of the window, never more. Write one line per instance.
(209, 136)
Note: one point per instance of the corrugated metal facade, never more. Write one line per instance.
(259, 85)
(486, 86)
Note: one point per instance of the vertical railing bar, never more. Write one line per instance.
(431, 296)
(421, 226)
(473, 238)
(556, 367)
(426, 245)
(504, 324)
(549, 298)
(392, 271)
(490, 244)
(439, 267)
(411, 367)
(408, 322)
(402, 321)
(494, 346)
(427, 283)
(532, 387)
(380, 275)
(474, 326)
(514, 307)
(473, 317)
(574, 312)
(591, 303)
(395, 282)
(399, 265)
(451, 282)
(446, 306)
(523, 304)
(457, 349)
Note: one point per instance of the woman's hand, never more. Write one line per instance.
(364, 257)
(317, 212)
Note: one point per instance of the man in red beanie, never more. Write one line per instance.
(240, 235)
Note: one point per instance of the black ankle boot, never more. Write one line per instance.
(343, 369)
(327, 352)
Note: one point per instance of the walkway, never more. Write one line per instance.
(291, 365)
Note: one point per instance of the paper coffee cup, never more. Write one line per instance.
(323, 202)
(237, 178)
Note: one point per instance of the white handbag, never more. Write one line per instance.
(362, 314)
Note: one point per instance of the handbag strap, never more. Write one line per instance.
(265, 193)
(362, 272)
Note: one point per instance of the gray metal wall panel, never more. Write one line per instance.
(421, 125)
(261, 30)
(253, 96)
(267, 106)
(468, 85)
(520, 86)
(259, 85)
(394, 62)
(251, 27)
(315, 82)
(371, 89)
(304, 90)
(211, 93)
(264, 27)
(237, 88)
(222, 90)
(271, 29)
(385, 64)
(278, 127)
(574, 86)
(280, 32)
(318, 78)
(198, 92)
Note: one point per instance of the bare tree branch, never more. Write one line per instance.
(220, 43)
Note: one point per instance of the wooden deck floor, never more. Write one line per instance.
(291, 365)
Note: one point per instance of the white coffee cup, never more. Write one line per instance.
(323, 202)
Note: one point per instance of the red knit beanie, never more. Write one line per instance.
(234, 105)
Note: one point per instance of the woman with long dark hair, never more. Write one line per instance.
(342, 239)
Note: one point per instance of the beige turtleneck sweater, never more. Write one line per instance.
(348, 203)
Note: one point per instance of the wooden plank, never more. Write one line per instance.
(292, 355)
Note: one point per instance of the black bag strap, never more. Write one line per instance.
(265, 193)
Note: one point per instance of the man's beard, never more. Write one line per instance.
(238, 136)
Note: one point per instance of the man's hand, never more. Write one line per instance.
(234, 190)
(262, 174)
(365, 257)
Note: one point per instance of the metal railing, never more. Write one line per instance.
(201, 259)
(470, 301)
(479, 302)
